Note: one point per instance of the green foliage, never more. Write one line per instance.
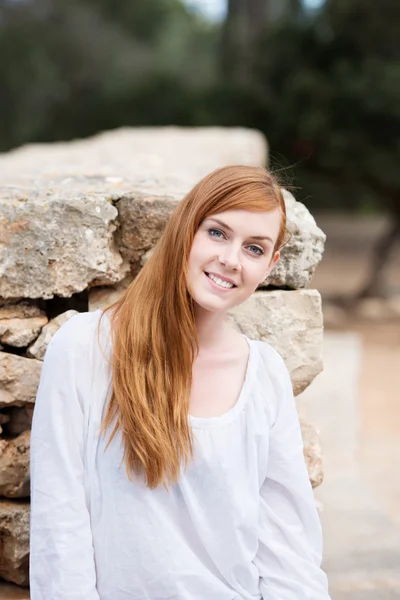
(75, 68)
(324, 90)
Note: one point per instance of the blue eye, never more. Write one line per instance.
(212, 230)
(259, 251)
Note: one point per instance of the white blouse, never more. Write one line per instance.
(240, 524)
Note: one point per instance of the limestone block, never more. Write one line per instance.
(38, 348)
(142, 219)
(104, 296)
(20, 323)
(149, 159)
(19, 379)
(20, 310)
(312, 453)
(14, 466)
(56, 244)
(14, 541)
(21, 332)
(291, 321)
(301, 255)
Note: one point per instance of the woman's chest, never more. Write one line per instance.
(216, 386)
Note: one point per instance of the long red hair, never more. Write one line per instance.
(153, 329)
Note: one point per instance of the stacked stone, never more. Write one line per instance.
(77, 221)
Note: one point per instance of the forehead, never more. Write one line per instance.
(249, 223)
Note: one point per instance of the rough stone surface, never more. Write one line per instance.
(21, 332)
(14, 466)
(104, 296)
(312, 453)
(53, 243)
(19, 379)
(21, 310)
(143, 219)
(291, 321)
(169, 159)
(301, 255)
(14, 541)
(38, 348)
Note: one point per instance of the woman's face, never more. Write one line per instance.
(232, 253)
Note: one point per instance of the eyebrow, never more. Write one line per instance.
(253, 237)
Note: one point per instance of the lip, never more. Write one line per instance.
(221, 277)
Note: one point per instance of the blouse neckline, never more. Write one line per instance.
(229, 415)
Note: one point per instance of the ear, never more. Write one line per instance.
(271, 265)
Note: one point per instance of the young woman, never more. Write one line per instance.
(167, 459)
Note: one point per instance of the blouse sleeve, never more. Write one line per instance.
(61, 551)
(290, 538)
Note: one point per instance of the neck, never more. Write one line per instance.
(212, 328)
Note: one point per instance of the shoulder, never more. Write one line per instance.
(273, 377)
(270, 359)
(80, 335)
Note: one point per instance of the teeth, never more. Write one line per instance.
(220, 282)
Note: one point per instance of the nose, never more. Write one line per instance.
(230, 258)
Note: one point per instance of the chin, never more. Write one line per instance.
(210, 304)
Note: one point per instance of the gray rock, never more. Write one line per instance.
(301, 255)
(14, 541)
(19, 379)
(142, 219)
(56, 243)
(291, 321)
(153, 160)
(38, 348)
(14, 466)
(21, 310)
(21, 332)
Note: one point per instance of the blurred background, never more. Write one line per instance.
(321, 79)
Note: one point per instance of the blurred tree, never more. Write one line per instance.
(325, 90)
(75, 68)
(245, 21)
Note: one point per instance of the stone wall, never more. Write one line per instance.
(77, 221)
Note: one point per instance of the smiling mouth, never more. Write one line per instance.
(224, 285)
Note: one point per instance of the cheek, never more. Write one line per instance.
(256, 270)
(195, 257)
(200, 251)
